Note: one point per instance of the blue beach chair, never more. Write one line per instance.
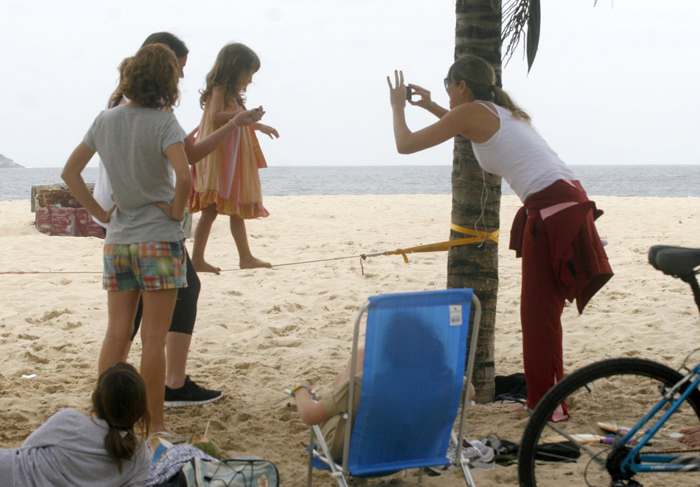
(413, 382)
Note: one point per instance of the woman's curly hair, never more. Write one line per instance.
(150, 77)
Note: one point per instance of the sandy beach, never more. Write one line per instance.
(258, 331)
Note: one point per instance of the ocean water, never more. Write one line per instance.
(642, 180)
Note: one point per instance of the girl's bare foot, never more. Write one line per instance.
(252, 263)
(200, 265)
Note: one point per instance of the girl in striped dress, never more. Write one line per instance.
(227, 181)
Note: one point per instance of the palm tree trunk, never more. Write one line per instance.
(476, 195)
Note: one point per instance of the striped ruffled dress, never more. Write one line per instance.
(228, 177)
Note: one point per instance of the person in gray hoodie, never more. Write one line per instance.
(105, 449)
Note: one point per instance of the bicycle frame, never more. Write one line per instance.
(636, 462)
(631, 452)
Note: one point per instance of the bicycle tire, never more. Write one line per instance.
(580, 390)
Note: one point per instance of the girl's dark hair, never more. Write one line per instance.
(173, 42)
(170, 40)
(150, 77)
(233, 63)
(120, 400)
(480, 78)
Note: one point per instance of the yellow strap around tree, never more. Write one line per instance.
(476, 236)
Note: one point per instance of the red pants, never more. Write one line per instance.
(541, 306)
(562, 260)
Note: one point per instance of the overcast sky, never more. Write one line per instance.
(614, 84)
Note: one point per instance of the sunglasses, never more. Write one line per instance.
(447, 83)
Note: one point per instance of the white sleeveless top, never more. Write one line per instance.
(102, 191)
(520, 155)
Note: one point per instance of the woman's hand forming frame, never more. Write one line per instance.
(425, 99)
(397, 95)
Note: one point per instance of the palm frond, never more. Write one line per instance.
(517, 15)
(533, 32)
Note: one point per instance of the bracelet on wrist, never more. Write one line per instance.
(299, 385)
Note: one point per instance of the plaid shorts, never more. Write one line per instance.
(150, 266)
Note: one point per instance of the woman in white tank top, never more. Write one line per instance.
(554, 232)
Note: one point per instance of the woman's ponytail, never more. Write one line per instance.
(120, 445)
(503, 99)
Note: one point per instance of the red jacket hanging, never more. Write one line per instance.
(578, 257)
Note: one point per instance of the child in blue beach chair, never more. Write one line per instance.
(394, 356)
(329, 411)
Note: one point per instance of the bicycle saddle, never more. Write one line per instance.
(675, 261)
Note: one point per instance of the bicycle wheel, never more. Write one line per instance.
(614, 394)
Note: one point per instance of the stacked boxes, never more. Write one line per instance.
(59, 213)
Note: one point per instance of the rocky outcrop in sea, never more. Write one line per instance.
(6, 162)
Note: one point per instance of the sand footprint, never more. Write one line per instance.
(17, 417)
(70, 325)
(36, 358)
(293, 306)
(240, 366)
(26, 336)
(284, 331)
(275, 309)
(285, 342)
(49, 315)
(54, 389)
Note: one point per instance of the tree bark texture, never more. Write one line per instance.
(476, 195)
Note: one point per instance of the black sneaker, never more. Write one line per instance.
(190, 394)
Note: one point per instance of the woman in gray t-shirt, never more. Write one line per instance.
(141, 144)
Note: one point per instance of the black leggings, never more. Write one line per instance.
(185, 312)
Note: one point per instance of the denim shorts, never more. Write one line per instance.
(149, 266)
